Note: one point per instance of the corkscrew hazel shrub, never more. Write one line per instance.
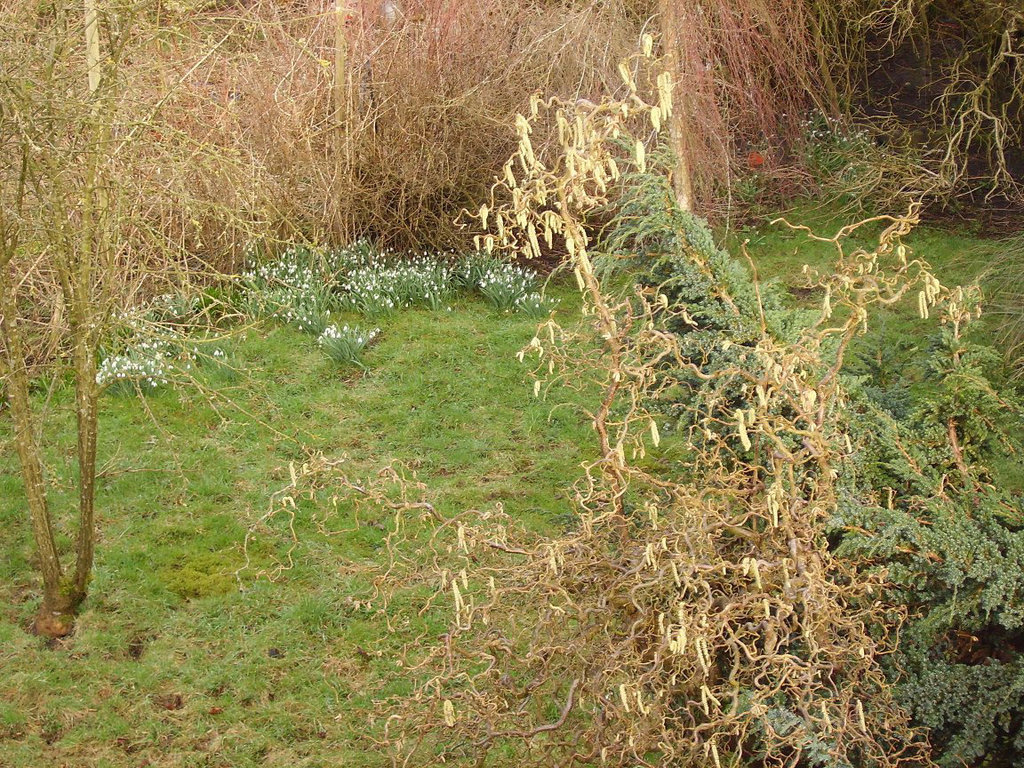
(695, 615)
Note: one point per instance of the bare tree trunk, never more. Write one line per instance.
(682, 178)
(80, 296)
(83, 323)
(343, 123)
(57, 605)
(340, 60)
(54, 614)
(92, 45)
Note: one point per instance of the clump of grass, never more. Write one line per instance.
(536, 305)
(471, 268)
(147, 362)
(157, 344)
(345, 345)
(403, 176)
(1004, 284)
(177, 308)
(377, 290)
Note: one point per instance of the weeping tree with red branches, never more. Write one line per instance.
(745, 71)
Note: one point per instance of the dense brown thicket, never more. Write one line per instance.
(392, 127)
(950, 72)
(386, 119)
(422, 125)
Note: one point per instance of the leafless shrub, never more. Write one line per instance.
(969, 58)
(421, 127)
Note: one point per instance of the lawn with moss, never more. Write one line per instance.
(212, 636)
(183, 654)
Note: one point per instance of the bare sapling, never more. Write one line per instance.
(84, 208)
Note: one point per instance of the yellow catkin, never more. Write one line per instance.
(613, 169)
(531, 233)
(756, 572)
(457, 595)
(741, 427)
(623, 697)
(665, 93)
(625, 74)
(656, 118)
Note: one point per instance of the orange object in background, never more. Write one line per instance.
(755, 159)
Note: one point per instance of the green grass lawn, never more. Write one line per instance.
(182, 659)
(194, 649)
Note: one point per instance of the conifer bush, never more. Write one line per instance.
(926, 504)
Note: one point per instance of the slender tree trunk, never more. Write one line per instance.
(83, 335)
(57, 604)
(92, 45)
(343, 123)
(678, 126)
(88, 431)
(340, 60)
(80, 296)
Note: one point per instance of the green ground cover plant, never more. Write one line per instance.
(185, 656)
(174, 661)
